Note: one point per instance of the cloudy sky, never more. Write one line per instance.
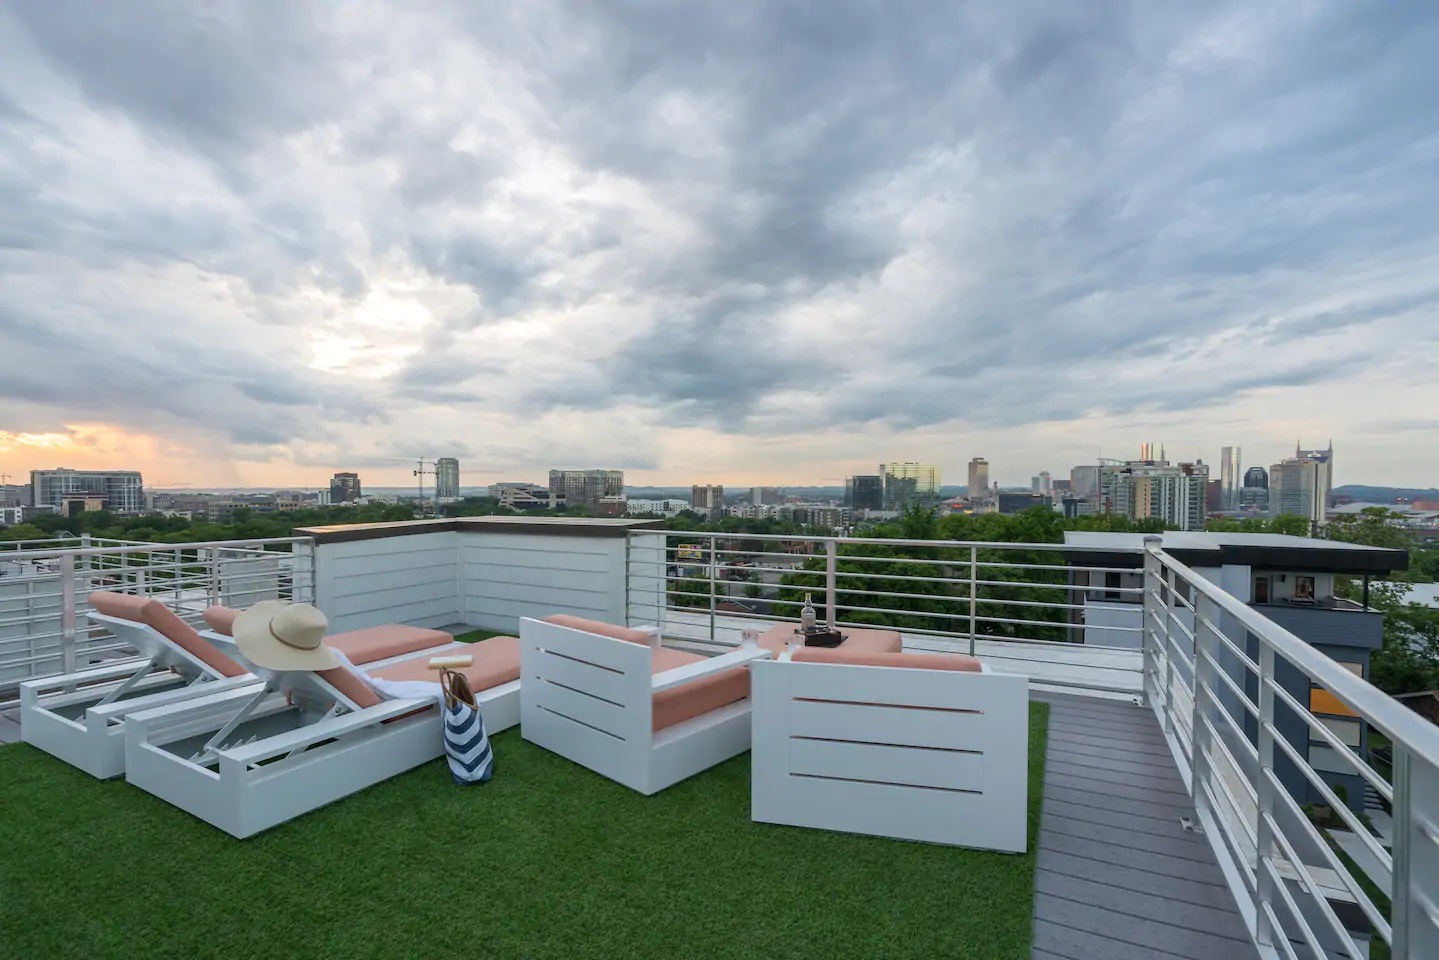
(257, 242)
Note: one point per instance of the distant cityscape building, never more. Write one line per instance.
(16, 495)
(1302, 484)
(1041, 483)
(765, 496)
(447, 479)
(909, 483)
(864, 492)
(345, 487)
(520, 496)
(1084, 480)
(978, 478)
(1229, 465)
(1214, 498)
(1144, 489)
(122, 490)
(665, 508)
(1254, 495)
(586, 488)
(1146, 452)
(708, 497)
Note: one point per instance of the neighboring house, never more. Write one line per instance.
(1425, 703)
(1291, 581)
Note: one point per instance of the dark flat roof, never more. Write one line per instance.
(1264, 550)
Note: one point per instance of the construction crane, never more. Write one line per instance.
(421, 472)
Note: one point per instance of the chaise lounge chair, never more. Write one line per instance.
(928, 747)
(80, 717)
(646, 717)
(247, 760)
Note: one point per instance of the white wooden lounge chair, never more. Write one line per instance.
(246, 760)
(925, 747)
(79, 717)
(645, 717)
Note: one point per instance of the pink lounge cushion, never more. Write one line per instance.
(870, 658)
(776, 638)
(690, 700)
(383, 642)
(165, 622)
(361, 646)
(496, 660)
(601, 628)
(221, 619)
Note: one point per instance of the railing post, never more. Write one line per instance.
(1153, 572)
(831, 565)
(212, 565)
(1205, 611)
(714, 574)
(1264, 809)
(973, 576)
(67, 613)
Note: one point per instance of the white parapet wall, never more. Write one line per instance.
(486, 572)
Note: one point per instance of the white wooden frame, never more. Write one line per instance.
(940, 756)
(590, 699)
(331, 754)
(165, 673)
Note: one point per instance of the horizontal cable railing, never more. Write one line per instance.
(44, 591)
(1063, 614)
(1280, 789)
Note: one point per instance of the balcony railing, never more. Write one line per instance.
(44, 588)
(1231, 691)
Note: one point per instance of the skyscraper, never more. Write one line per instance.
(345, 487)
(1144, 489)
(1229, 466)
(1255, 493)
(1302, 484)
(447, 479)
(1084, 480)
(765, 496)
(978, 478)
(122, 490)
(585, 488)
(909, 483)
(864, 493)
(707, 497)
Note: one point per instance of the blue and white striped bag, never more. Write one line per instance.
(467, 746)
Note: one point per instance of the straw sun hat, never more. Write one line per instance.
(277, 635)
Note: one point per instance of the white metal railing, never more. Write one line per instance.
(1231, 690)
(1030, 606)
(44, 590)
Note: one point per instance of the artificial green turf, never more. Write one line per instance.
(475, 635)
(547, 860)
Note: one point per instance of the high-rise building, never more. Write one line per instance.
(978, 478)
(447, 479)
(909, 483)
(707, 497)
(345, 487)
(1302, 484)
(765, 496)
(864, 492)
(1254, 495)
(1084, 480)
(1229, 478)
(586, 488)
(122, 490)
(1144, 489)
(1147, 452)
(1043, 484)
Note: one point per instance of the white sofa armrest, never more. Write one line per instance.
(695, 671)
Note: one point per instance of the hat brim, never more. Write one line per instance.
(262, 648)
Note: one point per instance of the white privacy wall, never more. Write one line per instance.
(505, 576)
(411, 579)
(486, 579)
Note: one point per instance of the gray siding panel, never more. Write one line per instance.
(1118, 877)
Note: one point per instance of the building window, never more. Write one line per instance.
(1261, 589)
(1347, 732)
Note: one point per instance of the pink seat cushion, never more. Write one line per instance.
(496, 660)
(360, 646)
(164, 621)
(603, 629)
(390, 640)
(690, 700)
(867, 658)
(776, 638)
(351, 686)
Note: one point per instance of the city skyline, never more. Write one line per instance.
(542, 237)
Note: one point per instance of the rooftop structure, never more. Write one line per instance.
(1167, 818)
